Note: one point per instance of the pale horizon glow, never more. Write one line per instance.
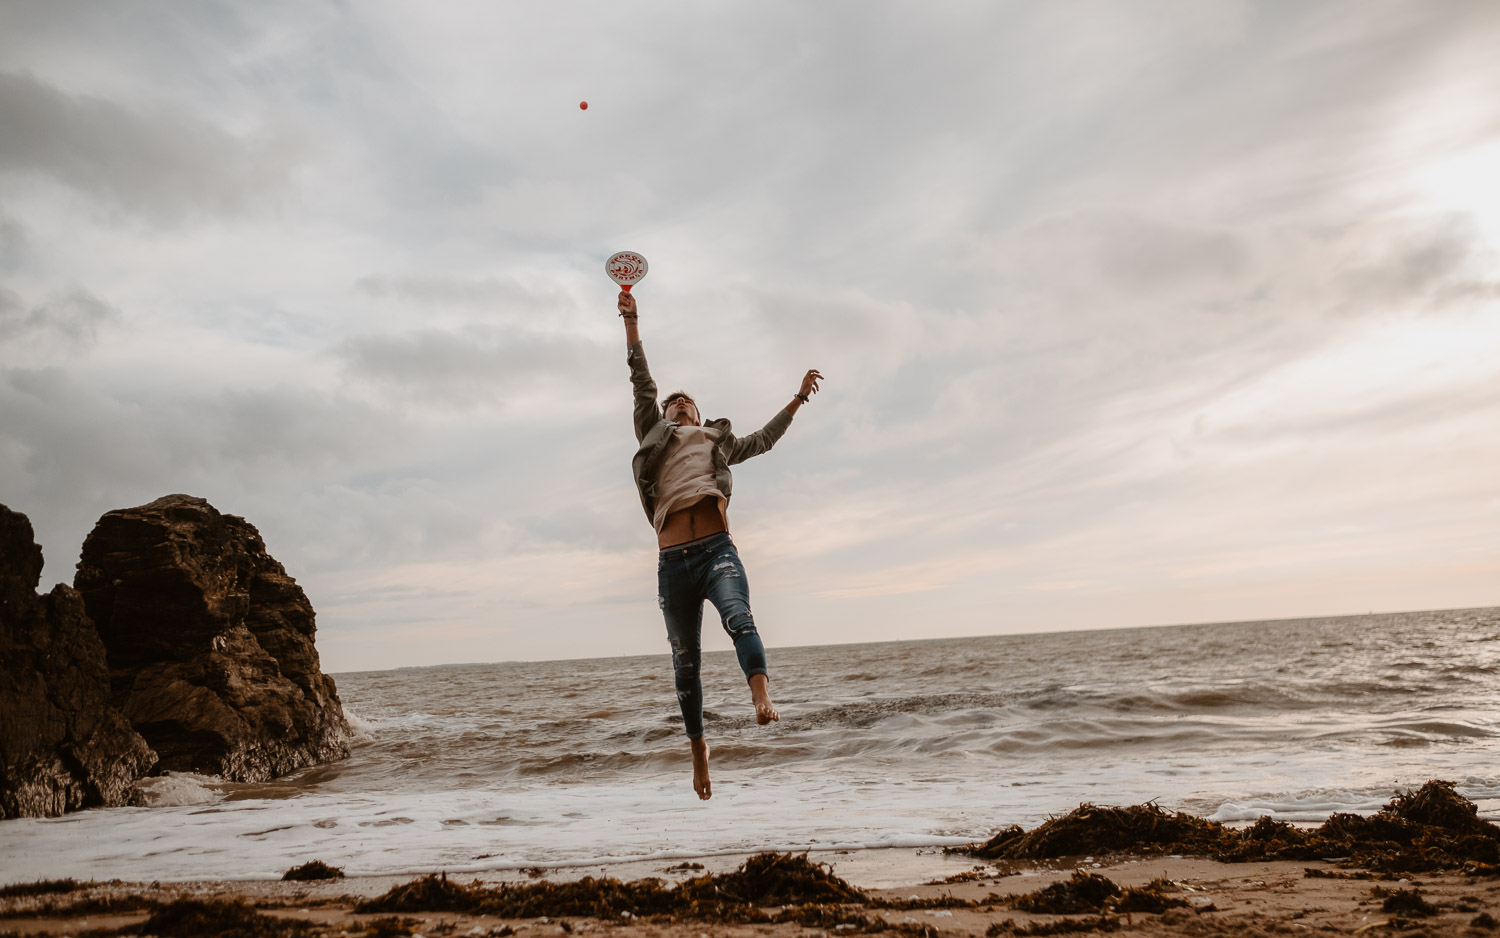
(1147, 315)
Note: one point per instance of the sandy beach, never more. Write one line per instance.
(1278, 897)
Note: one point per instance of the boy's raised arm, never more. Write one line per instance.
(647, 412)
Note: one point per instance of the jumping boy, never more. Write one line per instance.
(682, 472)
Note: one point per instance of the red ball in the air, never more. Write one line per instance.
(583, 105)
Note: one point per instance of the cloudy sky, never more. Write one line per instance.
(1131, 313)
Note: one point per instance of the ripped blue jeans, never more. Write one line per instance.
(687, 574)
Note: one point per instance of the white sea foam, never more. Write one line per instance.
(179, 789)
(472, 831)
(361, 729)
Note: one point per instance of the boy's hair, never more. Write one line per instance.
(674, 396)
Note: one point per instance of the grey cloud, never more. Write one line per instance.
(158, 163)
(72, 319)
(577, 525)
(15, 250)
(469, 367)
(1421, 262)
(1121, 256)
(179, 434)
(488, 293)
(70, 451)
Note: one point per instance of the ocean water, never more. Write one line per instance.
(488, 767)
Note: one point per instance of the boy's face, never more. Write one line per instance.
(681, 410)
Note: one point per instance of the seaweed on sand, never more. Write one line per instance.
(1433, 828)
(765, 879)
(1404, 902)
(388, 927)
(1152, 897)
(1092, 829)
(809, 894)
(193, 918)
(88, 905)
(1062, 926)
(1091, 892)
(312, 870)
(1084, 892)
(774, 879)
(42, 887)
(602, 898)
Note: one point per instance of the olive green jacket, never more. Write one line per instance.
(654, 431)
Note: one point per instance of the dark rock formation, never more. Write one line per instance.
(62, 745)
(210, 643)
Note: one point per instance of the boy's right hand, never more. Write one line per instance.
(627, 304)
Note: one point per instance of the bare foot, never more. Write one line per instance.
(760, 695)
(700, 769)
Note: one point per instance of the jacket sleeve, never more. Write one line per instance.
(753, 444)
(647, 412)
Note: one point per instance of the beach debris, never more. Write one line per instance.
(1154, 897)
(797, 889)
(1404, 902)
(967, 876)
(194, 918)
(311, 870)
(1084, 892)
(1062, 926)
(42, 887)
(1431, 828)
(389, 927)
(107, 903)
(1091, 892)
(1092, 829)
(1316, 872)
(776, 879)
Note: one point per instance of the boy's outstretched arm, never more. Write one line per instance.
(647, 412)
(753, 444)
(630, 315)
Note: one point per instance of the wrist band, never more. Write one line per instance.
(802, 397)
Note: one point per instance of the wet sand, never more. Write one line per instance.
(1255, 898)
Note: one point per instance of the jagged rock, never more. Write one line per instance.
(62, 745)
(210, 642)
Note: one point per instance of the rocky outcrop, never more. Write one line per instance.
(62, 745)
(210, 643)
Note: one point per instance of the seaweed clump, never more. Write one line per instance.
(775, 879)
(1432, 828)
(42, 887)
(1152, 897)
(88, 905)
(1084, 892)
(193, 918)
(1062, 926)
(312, 870)
(1090, 892)
(1092, 829)
(766, 879)
(1405, 902)
(603, 898)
